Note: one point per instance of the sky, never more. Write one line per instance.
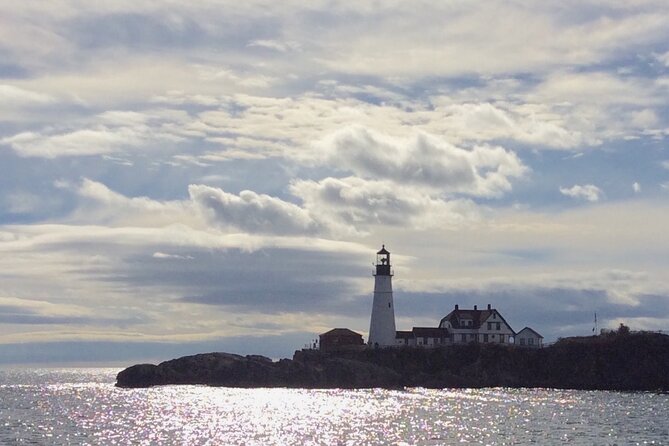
(179, 177)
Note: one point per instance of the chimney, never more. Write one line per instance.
(488, 306)
(475, 308)
(456, 306)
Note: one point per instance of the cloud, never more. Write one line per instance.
(274, 45)
(644, 118)
(101, 205)
(162, 255)
(636, 187)
(663, 58)
(13, 97)
(424, 161)
(451, 40)
(75, 143)
(18, 311)
(587, 192)
(253, 212)
(363, 204)
(23, 202)
(108, 132)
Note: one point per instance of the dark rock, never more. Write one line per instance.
(629, 361)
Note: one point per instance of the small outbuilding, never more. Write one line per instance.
(425, 337)
(340, 339)
(529, 338)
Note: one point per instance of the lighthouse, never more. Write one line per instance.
(382, 325)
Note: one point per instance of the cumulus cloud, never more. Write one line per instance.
(360, 203)
(530, 123)
(333, 206)
(252, 212)
(101, 205)
(424, 161)
(587, 192)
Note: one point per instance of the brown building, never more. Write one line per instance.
(340, 339)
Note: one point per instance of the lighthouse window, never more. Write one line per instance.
(388, 304)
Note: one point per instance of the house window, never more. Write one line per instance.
(522, 341)
(494, 315)
(464, 337)
(425, 340)
(489, 326)
(472, 337)
(498, 326)
(530, 341)
(501, 339)
(485, 337)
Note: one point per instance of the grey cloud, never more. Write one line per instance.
(135, 30)
(10, 69)
(267, 281)
(10, 314)
(279, 346)
(171, 28)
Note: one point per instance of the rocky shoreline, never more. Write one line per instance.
(627, 362)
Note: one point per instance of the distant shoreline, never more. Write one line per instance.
(615, 361)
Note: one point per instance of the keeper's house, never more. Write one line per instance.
(486, 326)
(464, 326)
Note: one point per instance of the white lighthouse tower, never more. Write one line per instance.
(382, 325)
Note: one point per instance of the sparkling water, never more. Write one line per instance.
(82, 406)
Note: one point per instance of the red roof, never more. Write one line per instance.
(341, 332)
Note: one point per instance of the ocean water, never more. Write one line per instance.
(82, 406)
